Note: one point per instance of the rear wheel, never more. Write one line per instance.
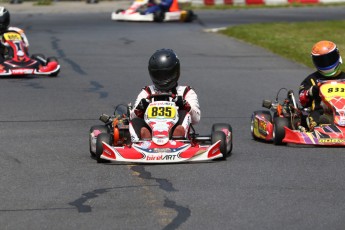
(158, 16)
(227, 130)
(220, 136)
(190, 16)
(103, 137)
(91, 1)
(279, 130)
(16, 1)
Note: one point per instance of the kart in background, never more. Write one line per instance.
(285, 122)
(112, 141)
(18, 63)
(135, 13)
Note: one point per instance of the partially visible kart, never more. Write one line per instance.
(18, 63)
(135, 13)
(285, 121)
(112, 141)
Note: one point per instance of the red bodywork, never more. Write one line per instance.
(20, 64)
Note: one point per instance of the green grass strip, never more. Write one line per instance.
(291, 40)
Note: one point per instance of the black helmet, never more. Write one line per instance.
(326, 58)
(4, 19)
(164, 69)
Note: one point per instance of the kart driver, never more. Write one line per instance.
(327, 61)
(4, 27)
(164, 70)
(158, 5)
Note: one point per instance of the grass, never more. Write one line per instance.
(43, 2)
(291, 40)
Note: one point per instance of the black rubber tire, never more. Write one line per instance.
(37, 56)
(16, 1)
(102, 129)
(158, 16)
(220, 135)
(91, 1)
(102, 137)
(278, 130)
(220, 127)
(267, 115)
(119, 11)
(52, 59)
(190, 16)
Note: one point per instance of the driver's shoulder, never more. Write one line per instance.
(15, 29)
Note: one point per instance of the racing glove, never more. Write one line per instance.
(182, 104)
(314, 91)
(141, 108)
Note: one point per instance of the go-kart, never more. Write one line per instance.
(285, 122)
(112, 141)
(18, 63)
(136, 13)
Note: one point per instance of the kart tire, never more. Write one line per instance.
(158, 16)
(221, 127)
(102, 129)
(50, 59)
(278, 130)
(16, 1)
(91, 1)
(38, 58)
(119, 11)
(220, 136)
(190, 16)
(102, 137)
(266, 114)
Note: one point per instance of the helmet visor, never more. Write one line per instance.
(164, 79)
(327, 61)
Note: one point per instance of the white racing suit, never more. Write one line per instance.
(187, 94)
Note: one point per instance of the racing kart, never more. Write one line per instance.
(18, 63)
(112, 142)
(136, 13)
(286, 122)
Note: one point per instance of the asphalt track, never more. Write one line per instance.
(49, 181)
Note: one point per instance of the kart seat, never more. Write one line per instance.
(145, 133)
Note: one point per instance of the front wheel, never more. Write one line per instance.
(227, 130)
(40, 58)
(92, 140)
(53, 59)
(279, 130)
(103, 137)
(119, 11)
(220, 136)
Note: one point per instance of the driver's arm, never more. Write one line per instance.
(304, 91)
(137, 111)
(192, 98)
(25, 39)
